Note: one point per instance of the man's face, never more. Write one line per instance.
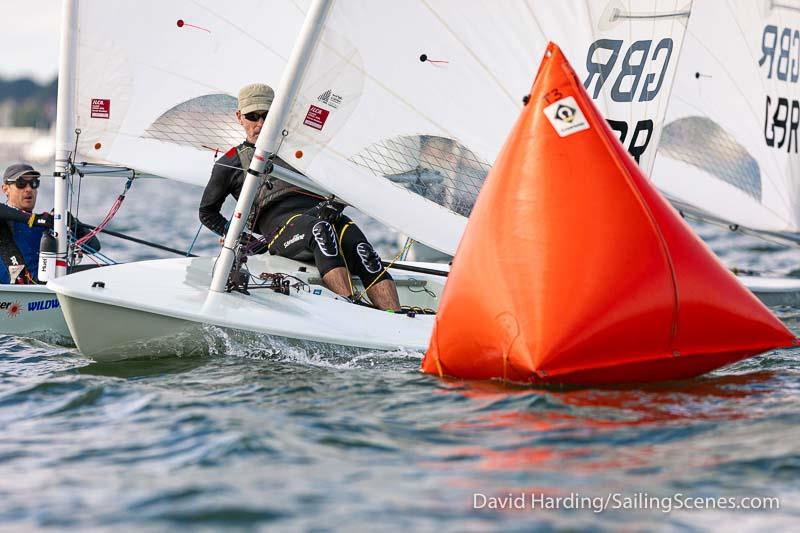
(24, 199)
(252, 127)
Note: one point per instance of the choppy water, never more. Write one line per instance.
(259, 435)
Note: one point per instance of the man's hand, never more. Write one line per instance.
(252, 243)
(41, 220)
(328, 210)
(247, 239)
(244, 240)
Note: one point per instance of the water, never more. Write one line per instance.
(263, 435)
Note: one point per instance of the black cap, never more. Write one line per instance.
(19, 169)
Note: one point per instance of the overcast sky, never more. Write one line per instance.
(29, 35)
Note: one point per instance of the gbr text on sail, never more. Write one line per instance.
(636, 72)
(780, 61)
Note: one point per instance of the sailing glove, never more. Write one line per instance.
(328, 210)
(247, 238)
(41, 220)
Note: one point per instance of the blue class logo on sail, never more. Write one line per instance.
(43, 305)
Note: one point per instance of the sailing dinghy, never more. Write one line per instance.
(152, 105)
(403, 128)
(729, 149)
(617, 287)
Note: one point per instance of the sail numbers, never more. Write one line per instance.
(639, 139)
(628, 74)
(780, 56)
(787, 66)
(639, 76)
(781, 122)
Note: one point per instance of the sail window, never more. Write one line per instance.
(702, 143)
(206, 123)
(437, 168)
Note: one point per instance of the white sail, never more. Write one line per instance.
(157, 81)
(729, 149)
(402, 111)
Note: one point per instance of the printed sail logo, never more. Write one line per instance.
(330, 98)
(316, 117)
(101, 108)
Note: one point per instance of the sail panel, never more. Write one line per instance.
(157, 81)
(730, 142)
(418, 100)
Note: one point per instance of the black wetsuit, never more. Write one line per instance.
(286, 216)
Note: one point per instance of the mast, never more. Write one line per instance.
(65, 127)
(269, 138)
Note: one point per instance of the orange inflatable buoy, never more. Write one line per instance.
(574, 269)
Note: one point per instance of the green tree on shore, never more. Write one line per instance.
(33, 104)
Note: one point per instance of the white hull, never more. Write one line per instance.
(774, 291)
(154, 308)
(30, 310)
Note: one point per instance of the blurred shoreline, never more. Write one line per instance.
(29, 145)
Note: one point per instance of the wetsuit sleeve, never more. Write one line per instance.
(14, 215)
(215, 193)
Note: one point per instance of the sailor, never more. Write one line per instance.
(20, 228)
(296, 223)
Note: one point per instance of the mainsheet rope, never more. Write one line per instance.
(111, 212)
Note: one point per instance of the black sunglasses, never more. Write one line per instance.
(21, 183)
(253, 116)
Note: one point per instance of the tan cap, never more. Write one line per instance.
(255, 97)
